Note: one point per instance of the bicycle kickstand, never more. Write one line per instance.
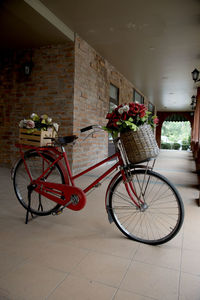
(30, 189)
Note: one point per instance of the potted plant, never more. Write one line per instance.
(36, 130)
(133, 124)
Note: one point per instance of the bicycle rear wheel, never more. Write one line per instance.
(161, 214)
(39, 205)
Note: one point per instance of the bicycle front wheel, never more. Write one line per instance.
(159, 214)
(39, 205)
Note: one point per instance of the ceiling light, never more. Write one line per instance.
(195, 75)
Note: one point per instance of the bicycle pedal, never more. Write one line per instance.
(57, 213)
(97, 185)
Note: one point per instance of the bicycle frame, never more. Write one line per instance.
(63, 193)
(143, 204)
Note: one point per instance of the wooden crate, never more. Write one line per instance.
(36, 138)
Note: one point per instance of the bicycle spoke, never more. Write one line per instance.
(155, 222)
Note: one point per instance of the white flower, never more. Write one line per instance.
(56, 126)
(121, 110)
(113, 107)
(44, 117)
(49, 120)
(21, 124)
(33, 115)
(30, 124)
(124, 108)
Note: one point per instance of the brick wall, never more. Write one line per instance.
(68, 82)
(93, 75)
(49, 89)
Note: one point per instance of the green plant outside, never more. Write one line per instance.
(176, 146)
(176, 135)
(166, 146)
(185, 147)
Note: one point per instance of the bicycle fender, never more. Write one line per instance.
(14, 165)
(62, 167)
(12, 171)
(113, 180)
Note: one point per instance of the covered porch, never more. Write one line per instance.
(79, 255)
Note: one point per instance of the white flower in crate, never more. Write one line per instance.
(49, 120)
(22, 123)
(44, 117)
(56, 126)
(35, 117)
(35, 123)
(30, 124)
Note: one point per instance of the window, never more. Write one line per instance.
(138, 97)
(114, 96)
(151, 108)
(114, 100)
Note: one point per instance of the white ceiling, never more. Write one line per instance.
(154, 43)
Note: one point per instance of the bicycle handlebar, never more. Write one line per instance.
(90, 127)
(86, 128)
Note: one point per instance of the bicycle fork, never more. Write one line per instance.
(137, 200)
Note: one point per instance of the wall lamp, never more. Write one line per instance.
(28, 65)
(195, 75)
(193, 103)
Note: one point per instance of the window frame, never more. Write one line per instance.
(137, 95)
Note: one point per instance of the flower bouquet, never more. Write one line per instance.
(37, 131)
(38, 123)
(134, 123)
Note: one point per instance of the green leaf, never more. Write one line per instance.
(148, 113)
(128, 123)
(143, 119)
(134, 127)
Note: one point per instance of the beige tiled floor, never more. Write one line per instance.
(79, 255)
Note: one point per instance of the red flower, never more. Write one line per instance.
(142, 114)
(124, 116)
(136, 109)
(112, 124)
(132, 110)
(109, 116)
(155, 121)
(115, 115)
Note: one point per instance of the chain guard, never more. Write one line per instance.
(71, 194)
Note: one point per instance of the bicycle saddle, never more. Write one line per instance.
(65, 140)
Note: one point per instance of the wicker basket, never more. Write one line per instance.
(140, 145)
(37, 138)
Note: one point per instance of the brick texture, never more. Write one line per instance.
(70, 83)
(93, 75)
(49, 89)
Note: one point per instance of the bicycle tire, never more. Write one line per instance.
(164, 213)
(39, 205)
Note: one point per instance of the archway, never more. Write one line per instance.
(175, 116)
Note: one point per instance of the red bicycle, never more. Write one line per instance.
(144, 205)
